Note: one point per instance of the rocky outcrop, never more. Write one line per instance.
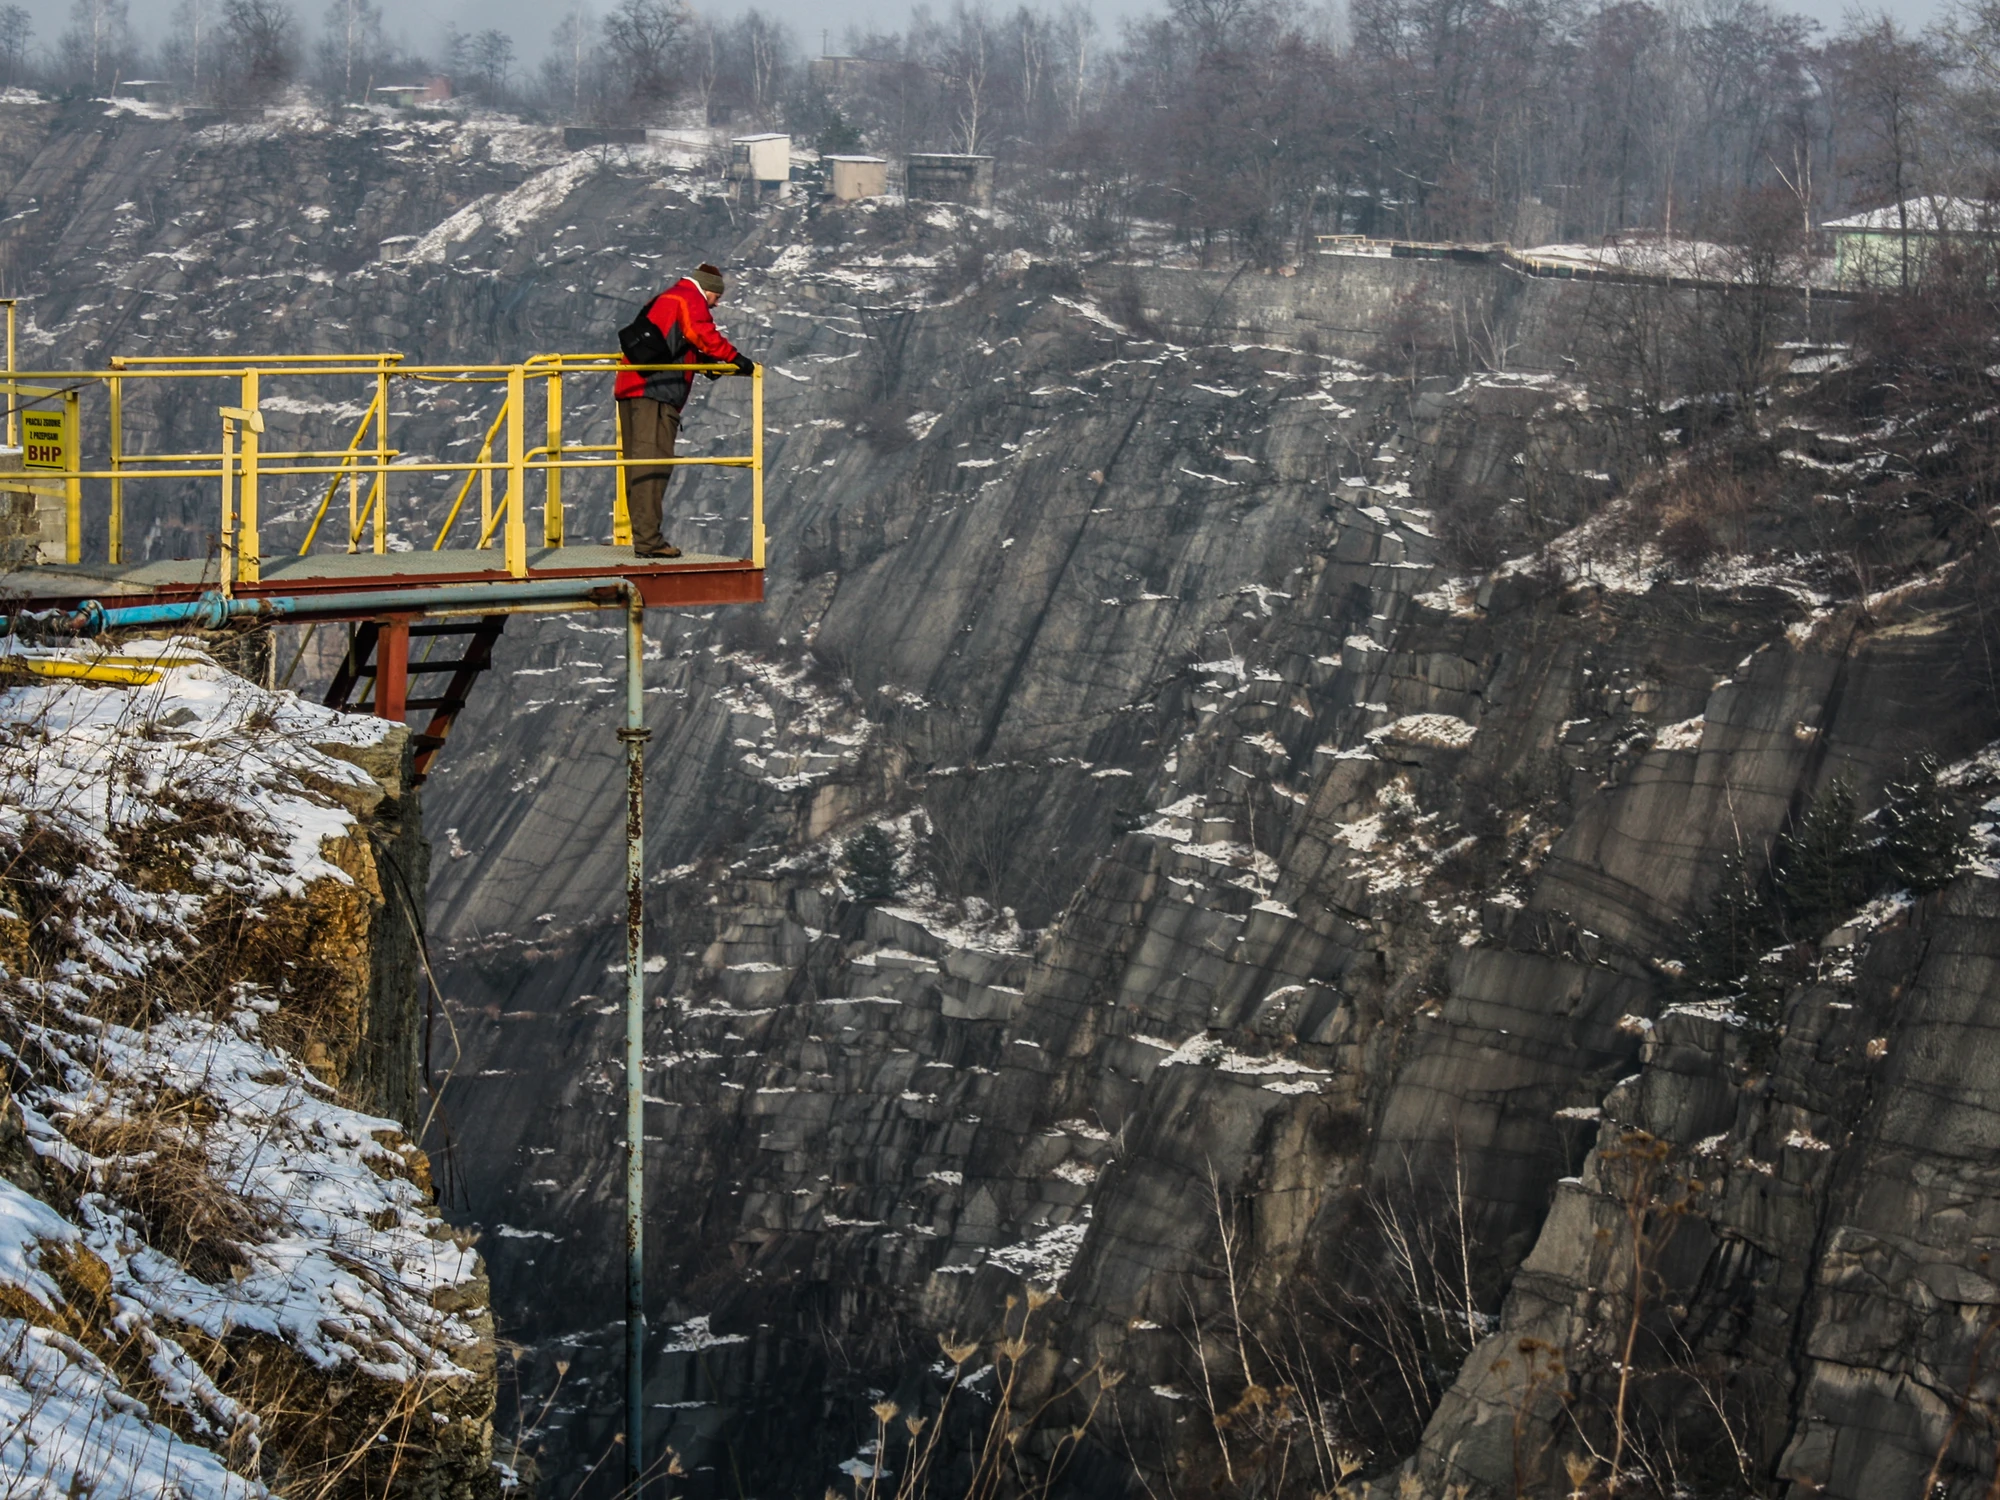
(1805, 1228)
(214, 1269)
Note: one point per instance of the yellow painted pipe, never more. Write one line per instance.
(90, 671)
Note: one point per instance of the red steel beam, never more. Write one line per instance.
(392, 668)
(699, 585)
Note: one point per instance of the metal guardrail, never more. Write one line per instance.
(501, 468)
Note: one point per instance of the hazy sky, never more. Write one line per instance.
(423, 22)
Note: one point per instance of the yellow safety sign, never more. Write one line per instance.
(47, 440)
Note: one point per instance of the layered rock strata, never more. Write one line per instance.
(1286, 964)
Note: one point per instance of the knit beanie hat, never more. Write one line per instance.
(708, 278)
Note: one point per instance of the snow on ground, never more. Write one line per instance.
(1443, 731)
(1677, 257)
(1686, 735)
(299, 1221)
(1287, 1075)
(1046, 1258)
(506, 213)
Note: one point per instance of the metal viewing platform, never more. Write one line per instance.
(325, 553)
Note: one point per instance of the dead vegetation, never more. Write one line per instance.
(310, 954)
(158, 1167)
(988, 1453)
(110, 952)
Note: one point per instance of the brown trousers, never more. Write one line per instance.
(650, 429)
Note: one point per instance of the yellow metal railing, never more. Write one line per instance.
(244, 465)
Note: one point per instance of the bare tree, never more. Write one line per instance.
(1031, 41)
(965, 61)
(1214, 24)
(703, 51)
(189, 52)
(1890, 82)
(644, 40)
(764, 45)
(16, 31)
(1075, 31)
(98, 44)
(350, 48)
(568, 70)
(261, 51)
(481, 63)
(1734, 330)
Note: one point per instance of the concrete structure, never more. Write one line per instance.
(852, 177)
(765, 160)
(409, 95)
(581, 137)
(1891, 246)
(949, 177)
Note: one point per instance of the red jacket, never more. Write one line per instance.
(681, 314)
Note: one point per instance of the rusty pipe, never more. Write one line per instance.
(634, 735)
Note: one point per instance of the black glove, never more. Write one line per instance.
(745, 365)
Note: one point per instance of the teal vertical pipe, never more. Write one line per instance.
(634, 734)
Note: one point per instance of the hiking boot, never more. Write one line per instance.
(666, 549)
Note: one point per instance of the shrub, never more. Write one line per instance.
(1824, 867)
(870, 857)
(1923, 844)
(1822, 863)
(1723, 944)
(1687, 542)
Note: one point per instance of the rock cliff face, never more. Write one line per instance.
(216, 1273)
(1289, 960)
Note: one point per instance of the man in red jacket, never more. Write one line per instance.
(674, 329)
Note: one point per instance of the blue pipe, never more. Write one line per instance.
(212, 611)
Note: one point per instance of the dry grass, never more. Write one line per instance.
(307, 1432)
(908, 1446)
(158, 1169)
(1701, 510)
(312, 954)
(257, 1401)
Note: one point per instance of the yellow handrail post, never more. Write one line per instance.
(486, 496)
(381, 489)
(73, 488)
(484, 456)
(250, 555)
(552, 505)
(621, 512)
(517, 474)
(226, 540)
(757, 466)
(13, 387)
(116, 390)
(351, 466)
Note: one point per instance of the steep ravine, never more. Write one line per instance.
(1343, 886)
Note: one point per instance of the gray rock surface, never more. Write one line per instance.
(1285, 962)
